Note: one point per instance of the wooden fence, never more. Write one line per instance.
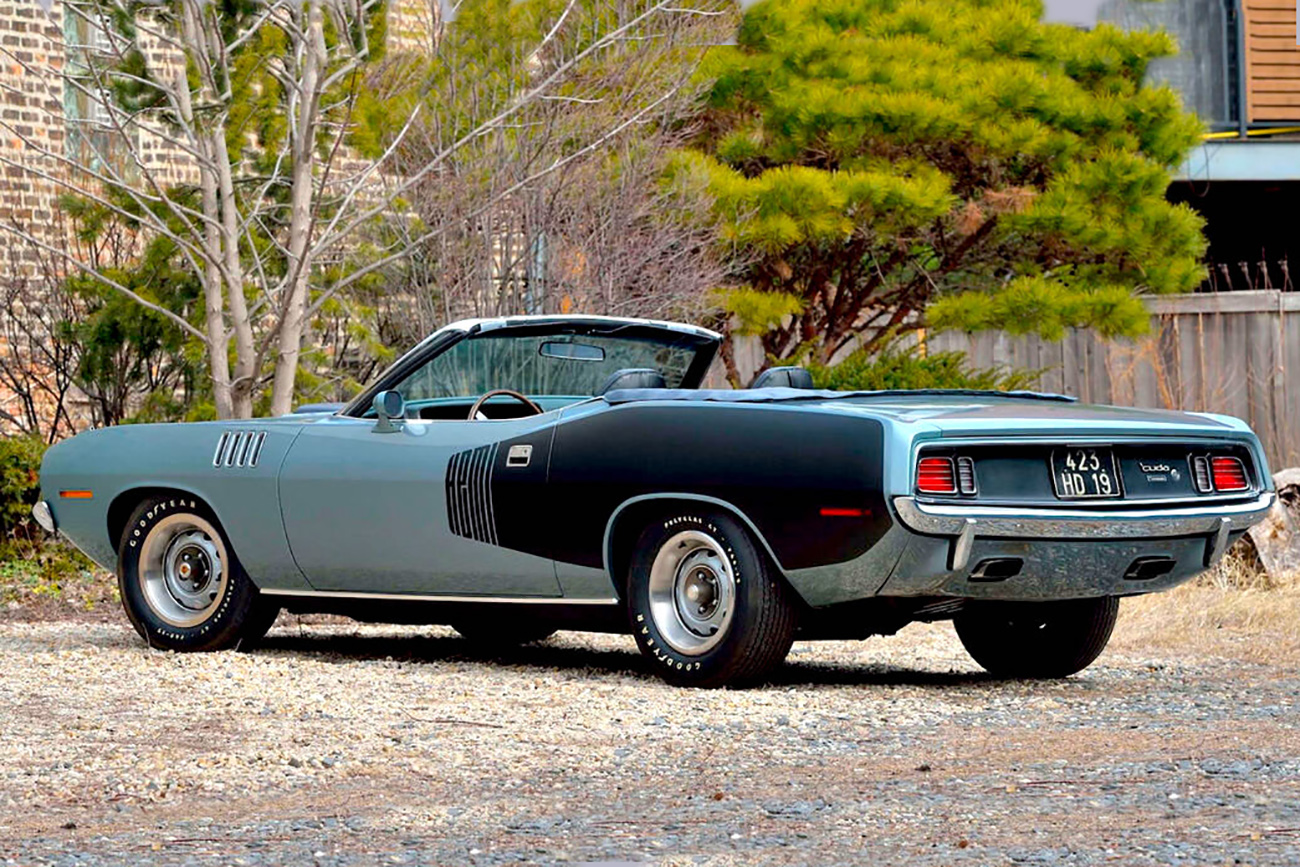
(1236, 353)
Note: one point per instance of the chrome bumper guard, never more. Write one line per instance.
(965, 522)
(43, 515)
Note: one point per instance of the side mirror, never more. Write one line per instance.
(388, 406)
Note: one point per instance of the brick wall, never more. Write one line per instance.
(31, 118)
(35, 138)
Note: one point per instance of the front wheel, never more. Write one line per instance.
(1037, 639)
(181, 584)
(704, 604)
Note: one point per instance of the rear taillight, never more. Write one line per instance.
(1229, 474)
(936, 476)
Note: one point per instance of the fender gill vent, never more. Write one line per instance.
(469, 494)
(239, 448)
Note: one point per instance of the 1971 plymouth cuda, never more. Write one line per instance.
(514, 476)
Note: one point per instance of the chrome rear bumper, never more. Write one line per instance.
(966, 522)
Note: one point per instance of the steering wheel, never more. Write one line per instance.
(476, 415)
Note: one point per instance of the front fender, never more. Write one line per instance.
(120, 466)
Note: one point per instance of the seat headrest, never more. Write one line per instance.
(783, 377)
(634, 377)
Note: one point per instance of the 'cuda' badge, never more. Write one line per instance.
(1159, 472)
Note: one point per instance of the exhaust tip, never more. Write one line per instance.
(1146, 568)
(997, 569)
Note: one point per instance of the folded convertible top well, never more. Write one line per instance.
(770, 395)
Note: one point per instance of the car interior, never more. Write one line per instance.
(466, 381)
(502, 407)
(783, 377)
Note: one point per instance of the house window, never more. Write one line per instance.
(91, 137)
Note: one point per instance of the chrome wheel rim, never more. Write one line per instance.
(692, 592)
(183, 569)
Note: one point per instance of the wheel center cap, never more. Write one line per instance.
(701, 588)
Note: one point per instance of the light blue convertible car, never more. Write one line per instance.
(514, 476)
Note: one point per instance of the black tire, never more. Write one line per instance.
(234, 615)
(1037, 639)
(501, 632)
(755, 636)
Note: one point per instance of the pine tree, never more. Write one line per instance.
(881, 165)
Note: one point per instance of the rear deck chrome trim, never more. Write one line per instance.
(1192, 440)
(417, 597)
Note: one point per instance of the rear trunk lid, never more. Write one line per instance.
(959, 415)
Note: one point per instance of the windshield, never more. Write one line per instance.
(545, 364)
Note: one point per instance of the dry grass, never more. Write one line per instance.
(1241, 569)
(49, 585)
(1236, 611)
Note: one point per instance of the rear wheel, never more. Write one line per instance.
(704, 604)
(1037, 639)
(182, 585)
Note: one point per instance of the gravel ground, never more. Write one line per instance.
(339, 744)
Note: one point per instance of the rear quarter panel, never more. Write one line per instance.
(119, 464)
(778, 465)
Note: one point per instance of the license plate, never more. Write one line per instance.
(1082, 474)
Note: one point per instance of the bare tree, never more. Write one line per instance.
(72, 355)
(38, 361)
(562, 208)
(263, 200)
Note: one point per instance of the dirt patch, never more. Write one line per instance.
(44, 589)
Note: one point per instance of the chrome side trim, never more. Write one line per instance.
(417, 597)
(607, 542)
(956, 520)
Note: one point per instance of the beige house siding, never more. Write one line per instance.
(1272, 61)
